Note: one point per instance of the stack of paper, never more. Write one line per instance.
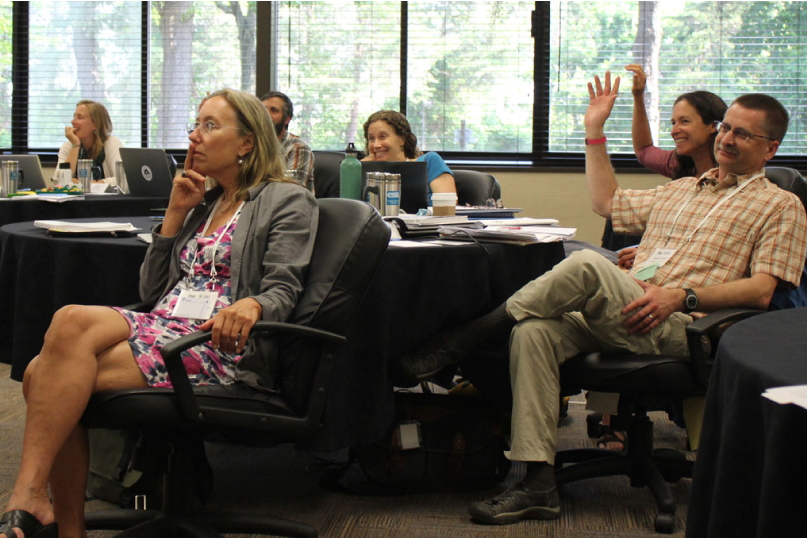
(793, 394)
(510, 234)
(83, 227)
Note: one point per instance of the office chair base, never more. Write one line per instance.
(641, 464)
(155, 524)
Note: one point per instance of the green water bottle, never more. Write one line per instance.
(350, 175)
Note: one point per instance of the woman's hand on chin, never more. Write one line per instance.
(70, 135)
(189, 187)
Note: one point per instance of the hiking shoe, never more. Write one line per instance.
(426, 362)
(515, 504)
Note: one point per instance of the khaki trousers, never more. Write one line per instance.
(575, 308)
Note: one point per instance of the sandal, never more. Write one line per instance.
(30, 526)
(613, 437)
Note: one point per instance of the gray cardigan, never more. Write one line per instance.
(271, 250)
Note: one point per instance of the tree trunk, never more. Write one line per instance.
(245, 24)
(176, 27)
(646, 48)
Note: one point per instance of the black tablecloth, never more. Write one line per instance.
(750, 477)
(25, 209)
(415, 292)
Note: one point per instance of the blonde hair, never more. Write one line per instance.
(265, 162)
(103, 124)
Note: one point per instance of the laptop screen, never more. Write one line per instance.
(414, 181)
(147, 172)
(31, 170)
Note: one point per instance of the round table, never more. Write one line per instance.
(750, 477)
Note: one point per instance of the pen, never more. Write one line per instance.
(511, 227)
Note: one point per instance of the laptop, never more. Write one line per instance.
(414, 181)
(147, 172)
(31, 171)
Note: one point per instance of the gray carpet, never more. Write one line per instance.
(283, 482)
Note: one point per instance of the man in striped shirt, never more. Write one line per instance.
(298, 155)
(726, 239)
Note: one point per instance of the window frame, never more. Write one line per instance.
(539, 158)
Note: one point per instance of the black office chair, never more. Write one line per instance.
(326, 173)
(643, 381)
(474, 188)
(350, 242)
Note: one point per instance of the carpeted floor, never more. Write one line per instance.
(281, 481)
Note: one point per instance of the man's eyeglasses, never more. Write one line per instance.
(206, 127)
(742, 134)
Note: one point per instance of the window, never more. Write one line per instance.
(729, 48)
(82, 50)
(195, 48)
(479, 81)
(468, 71)
(5, 74)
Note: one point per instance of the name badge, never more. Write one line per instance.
(195, 304)
(646, 272)
(661, 256)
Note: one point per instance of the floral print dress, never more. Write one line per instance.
(148, 332)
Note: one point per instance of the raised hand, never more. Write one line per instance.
(639, 79)
(601, 102)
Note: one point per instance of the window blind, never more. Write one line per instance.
(195, 48)
(5, 73)
(729, 48)
(470, 76)
(82, 50)
(338, 62)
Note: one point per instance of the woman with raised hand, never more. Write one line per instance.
(244, 246)
(389, 137)
(89, 137)
(693, 131)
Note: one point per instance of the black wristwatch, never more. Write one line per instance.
(690, 301)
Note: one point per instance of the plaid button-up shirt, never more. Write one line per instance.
(299, 157)
(761, 229)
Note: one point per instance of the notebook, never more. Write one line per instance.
(31, 171)
(147, 172)
(414, 181)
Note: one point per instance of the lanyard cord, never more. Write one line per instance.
(709, 214)
(213, 272)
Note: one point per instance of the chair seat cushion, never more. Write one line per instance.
(157, 409)
(628, 374)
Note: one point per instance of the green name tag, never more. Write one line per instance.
(646, 272)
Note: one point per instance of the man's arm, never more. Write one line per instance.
(599, 174)
(657, 303)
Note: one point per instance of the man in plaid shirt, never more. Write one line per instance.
(726, 239)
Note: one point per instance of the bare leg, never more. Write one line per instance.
(85, 351)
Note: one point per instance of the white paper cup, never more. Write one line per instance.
(444, 204)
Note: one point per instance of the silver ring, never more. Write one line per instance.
(650, 316)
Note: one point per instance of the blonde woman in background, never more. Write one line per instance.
(89, 137)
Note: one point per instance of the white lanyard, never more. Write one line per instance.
(723, 200)
(218, 239)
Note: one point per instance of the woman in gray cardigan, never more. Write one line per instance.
(220, 261)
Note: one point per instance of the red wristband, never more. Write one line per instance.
(595, 141)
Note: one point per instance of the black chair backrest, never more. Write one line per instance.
(788, 179)
(475, 188)
(351, 239)
(326, 173)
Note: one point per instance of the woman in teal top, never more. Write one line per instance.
(389, 137)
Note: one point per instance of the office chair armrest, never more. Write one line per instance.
(172, 351)
(700, 344)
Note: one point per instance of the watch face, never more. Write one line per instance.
(692, 301)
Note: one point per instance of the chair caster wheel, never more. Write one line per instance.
(665, 523)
